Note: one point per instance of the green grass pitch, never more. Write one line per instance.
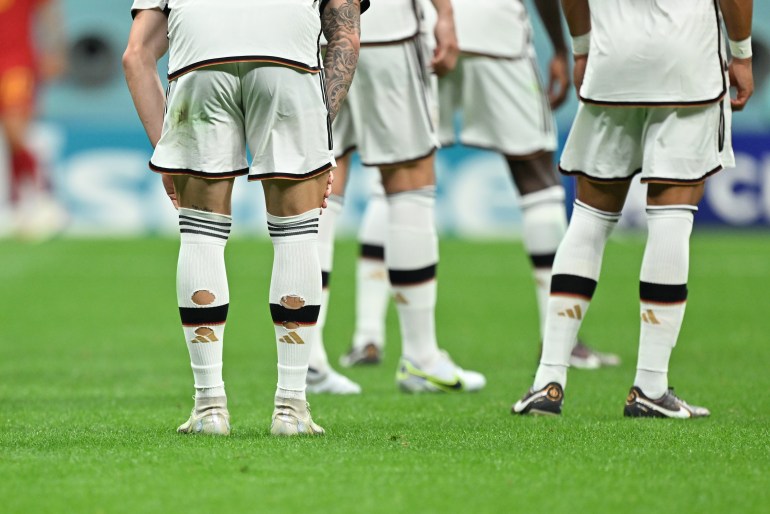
(94, 379)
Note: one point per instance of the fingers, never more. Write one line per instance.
(557, 92)
(443, 61)
(742, 79)
(737, 104)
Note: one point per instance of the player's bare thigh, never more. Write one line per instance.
(534, 173)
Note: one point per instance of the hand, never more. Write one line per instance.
(742, 79)
(579, 71)
(168, 185)
(447, 49)
(328, 192)
(558, 81)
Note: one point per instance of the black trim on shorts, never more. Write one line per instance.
(722, 135)
(411, 277)
(662, 293)
(374, 252)
(660, 180)
(194, 316)
(307, 315)
(517, 157)
(400, 163)
(329, 134)
(290, 176)
(673, 104)
(572, 173)
(198, 173)
(424, 74)
(243, 58)
(573, 285)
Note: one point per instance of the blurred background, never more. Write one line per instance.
(88, 137)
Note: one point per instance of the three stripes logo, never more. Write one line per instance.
(292, 338)
(574, 313)
(200, 225)
(649, 317)
(296, 228)
(205, 335)
(400, 299)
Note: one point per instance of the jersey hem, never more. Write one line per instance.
(667, 103)
(269, 59)
(391, 41)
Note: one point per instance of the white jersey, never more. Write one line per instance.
(207, 32)
(496, 28)
(390, 21)
(655, 52)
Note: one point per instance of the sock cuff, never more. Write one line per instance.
(554, 194)
(609, 217)
(206, 215)
(425, 195)
(684, 212)
(204, 227)
(293, 228)
(675, 207)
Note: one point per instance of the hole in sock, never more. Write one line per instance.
(292, 302)
(203, 297)
(205, 335)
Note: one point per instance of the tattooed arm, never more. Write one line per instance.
(341, 24)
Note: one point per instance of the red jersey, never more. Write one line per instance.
(17, 46)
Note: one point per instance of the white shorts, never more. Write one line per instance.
(502, 105)
(213, 114)
(390, 113)
(664, 144)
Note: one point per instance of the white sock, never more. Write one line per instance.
(319, 361)
(372, 284)
(544, 223)
(411, 254)
(203, 296)
(663, 293)
(575, 274)
(295, 296)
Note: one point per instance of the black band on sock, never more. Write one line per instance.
(307, 315)
(325, 277)
(573, 285)
(662, 293)
(407, 277)
(543, 260)
(373, 252)
(194, 316)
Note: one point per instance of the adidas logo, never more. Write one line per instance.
(379, 275)
(574, 313)
(649, 317)
(204, 335)
(399, 298)
(292, 338)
